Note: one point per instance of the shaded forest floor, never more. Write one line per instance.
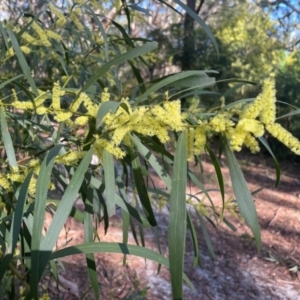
(238, 272)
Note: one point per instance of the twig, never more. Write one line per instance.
(276, 214)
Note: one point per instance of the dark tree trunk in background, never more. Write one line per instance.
(188, 53)
(188, 39)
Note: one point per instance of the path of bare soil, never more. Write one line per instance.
(238, 272)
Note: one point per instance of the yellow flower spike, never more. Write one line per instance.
(41, 110)
(251, 143)
(56, 96)
(25, 49)
(15, 96)
(4, 183)
(32, 186)
(173, 115)
(61, 20)
(252, 110)
(41, 33)
(33, 163)
(190, 143)
(29, 39)
(105, 95)
(268, 95)
(220, 122)
(76, 104)
(284, 136)
(53, 35)
(89, 105)
(10, 52)
(119, 134)
(41, 98)
(251, 125)
(81, 121)
(62, 116)
(200, 140)
(16, 177)
(101, 143)
(76, 21)
(24, 105)
(237, 137)
(70, 158)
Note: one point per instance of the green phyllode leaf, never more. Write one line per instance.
(243, 195)
(177, 218)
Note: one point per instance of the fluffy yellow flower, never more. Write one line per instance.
(32, 186)
(200, 140)
(81, 121)
(236, 137)
(24, 105)
(70, 158)
(4, 183)
(61, 20)
(101, 143)
(25, 49)
(89, 105)
(28, 38)
(16, 177)
(41, 33)
(284, 137)
(76, 20)
(56, 93)
(268, 113)
(251, 143)
(33, 163)
(119, 134)
(41, 110)
(220, 122)
(76, 104)
(52, 35)
(62, 116)
(105, 95)
(251, 125)
(190, 143)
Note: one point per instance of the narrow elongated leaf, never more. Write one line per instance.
(3, 84)
(39, 212)
(158, 168)
(6, 139)
(141, 187)
(103, 247)
(18, 214)
(88, 238)
(22, 61)
(177, 219)
(206, 237)
(243, 195)
(191, 227)
(277, 167)
(62, 213)
(168, 81)
(125, 228)
(105, 108)
(66, 203)
(292, 113)
(119, 60)
(200, 21)
(219, 174)
(109, 178)
(102, 30)
(16, 226)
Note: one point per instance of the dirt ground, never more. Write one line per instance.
(238, 272)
